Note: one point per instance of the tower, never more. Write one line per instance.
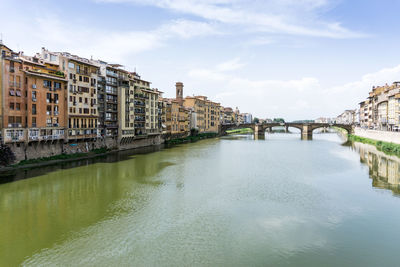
(179, 92)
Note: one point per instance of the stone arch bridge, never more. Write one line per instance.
(306, 129)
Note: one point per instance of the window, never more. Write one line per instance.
(80, 78)
(71, 65)
(12, 106)
(34, 109)
(17, 106)
(86, 79)
(18, 119)
(53, 57)
(12, 92)
(33, 95)
(34, 121)
(47, 83)
(57, 85)
(80, 110)
(56, 98)
(86, 100)
(48, 97)
(80, 99)
(18, 92)
(78, 68)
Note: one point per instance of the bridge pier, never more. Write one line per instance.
(306, 132)
(259, 132)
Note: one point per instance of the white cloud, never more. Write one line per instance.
(86, 40)
(273, 16)
(230, 65)
(303, 98)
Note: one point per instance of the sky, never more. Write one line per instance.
(296, 59)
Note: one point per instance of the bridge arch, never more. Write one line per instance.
(347, 128)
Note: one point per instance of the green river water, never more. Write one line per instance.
(232, 201)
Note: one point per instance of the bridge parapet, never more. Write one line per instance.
(305, 128)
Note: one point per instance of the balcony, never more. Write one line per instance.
(141, 96)
(83, 72)
(14, 125)
(112, 74)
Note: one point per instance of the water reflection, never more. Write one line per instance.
(384, 170)
(62, 202)
(25, 173)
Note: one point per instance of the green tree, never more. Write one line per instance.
(279, 120)
(256, 120)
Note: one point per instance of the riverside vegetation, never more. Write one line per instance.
(94, 152)
(386, 147)
(192, 138)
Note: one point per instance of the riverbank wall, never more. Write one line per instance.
(36, 150)
(384, 136)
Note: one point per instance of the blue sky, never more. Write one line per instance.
(297, 59)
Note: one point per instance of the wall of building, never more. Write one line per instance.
(391, 137)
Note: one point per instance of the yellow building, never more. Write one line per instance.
(197, 105)
(126, 118)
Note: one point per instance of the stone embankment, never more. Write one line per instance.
(385, 136)
(23, 151)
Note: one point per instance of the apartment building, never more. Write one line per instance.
(228, 115)
(82, 76)
(46, 106)
(126, 128)
(381, 110)
(13, 94)
(347, 117)
(146, 107)
(247, 118)
(197, 106)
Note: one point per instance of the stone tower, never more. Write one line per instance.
(179, 92)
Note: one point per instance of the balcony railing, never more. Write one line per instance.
(14, 125)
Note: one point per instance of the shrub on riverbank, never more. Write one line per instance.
(6, 155)
(387, 148)
(189, 139)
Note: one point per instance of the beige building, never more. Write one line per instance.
(146, 107)
(82, 77)
(381, 110)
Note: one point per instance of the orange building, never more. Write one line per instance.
(46, 89)
(13, 97)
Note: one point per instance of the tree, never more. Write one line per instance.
(6, 155)
(279, 120)
(256, 120)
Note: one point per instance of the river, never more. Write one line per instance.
(232, 201)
